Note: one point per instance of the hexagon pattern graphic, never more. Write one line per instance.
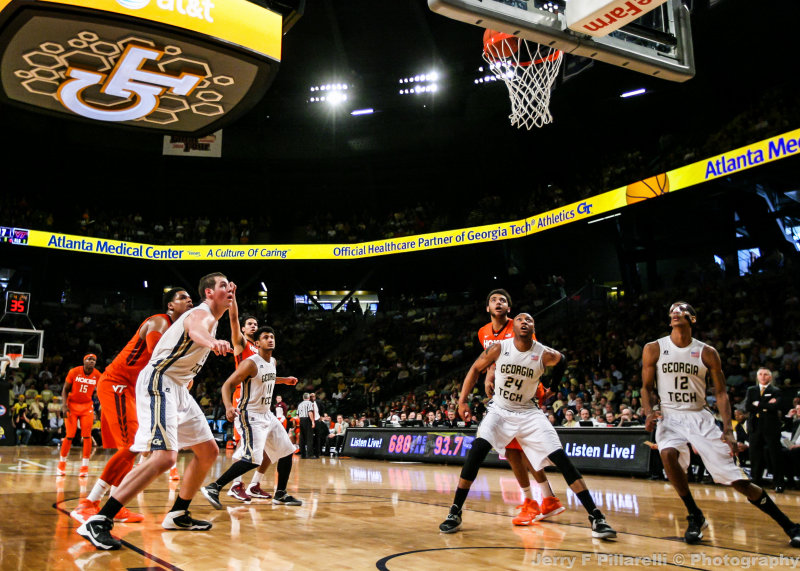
(49, 61)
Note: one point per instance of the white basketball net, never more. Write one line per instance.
(529, 73)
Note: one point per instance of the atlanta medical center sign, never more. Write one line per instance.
(171, 66)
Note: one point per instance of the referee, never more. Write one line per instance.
(305, 411)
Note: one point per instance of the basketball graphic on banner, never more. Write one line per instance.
(647, 188)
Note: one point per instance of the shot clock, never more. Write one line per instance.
(17, 302)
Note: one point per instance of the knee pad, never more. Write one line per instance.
(564, 464)
(477, 454)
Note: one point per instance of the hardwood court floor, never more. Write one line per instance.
(366, 514)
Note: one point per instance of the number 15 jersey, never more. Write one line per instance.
(516, 376)
(681, 376)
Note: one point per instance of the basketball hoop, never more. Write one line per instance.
(528, 69)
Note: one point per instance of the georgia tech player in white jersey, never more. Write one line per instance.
(681, 376)
(677, 366)
(261, 431)
(169, 417)
(519, 364)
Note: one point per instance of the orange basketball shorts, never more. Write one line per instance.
(82, 414)
(118, 417)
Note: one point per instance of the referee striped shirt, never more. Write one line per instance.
(304, 408)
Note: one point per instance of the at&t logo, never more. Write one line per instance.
(193, 8)
(126, 80)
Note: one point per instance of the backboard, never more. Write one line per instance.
(658, 43)
(29, 342)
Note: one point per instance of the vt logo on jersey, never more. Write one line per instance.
(127, 80)
(118, 388)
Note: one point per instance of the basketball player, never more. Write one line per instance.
(244, 347)
(169, 417)
(498, 306)
(261, 431)
(676, 366)
(117, 392)
(520, 362)
(76, 395)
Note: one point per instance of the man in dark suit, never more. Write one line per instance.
(763, 403)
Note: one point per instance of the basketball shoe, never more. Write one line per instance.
(453, 521)
(173, 473)
(528, 513)
(127, 516)
(794, 535)
(211, 493)
(282, 498)
(694, 532)
(181, 519)
(61, 469)
(255, 491)
(601, 529)
(85, 510)
(237, 491)
(550, 506)
(84, 472)
(97, 530)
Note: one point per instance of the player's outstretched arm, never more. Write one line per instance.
(285, 380)
(486, 359)
(237, 339)
(649, 399)
(199, 326)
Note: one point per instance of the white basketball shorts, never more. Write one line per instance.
(169, 417)
(697, 427)
(261, 432)
(535, 434)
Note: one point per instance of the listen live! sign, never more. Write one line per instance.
(172, 66)
(601, 17)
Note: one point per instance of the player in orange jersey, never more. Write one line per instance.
(117, 393)
(498, 306)
(244, 347)
(76, 395)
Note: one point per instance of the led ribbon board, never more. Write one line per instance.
(726, 164)
(170, 66)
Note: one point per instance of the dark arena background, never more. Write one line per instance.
(386, 335)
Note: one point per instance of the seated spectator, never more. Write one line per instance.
(451, 421)
(609, 420)
(430, 418)
(626, 418)
(569, 419)
(586, 416)
(38, 434)
(22, 426)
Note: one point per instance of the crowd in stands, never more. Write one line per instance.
(407, 362)
(775, 112)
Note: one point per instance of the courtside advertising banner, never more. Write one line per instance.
(726, 164)
(598, 450)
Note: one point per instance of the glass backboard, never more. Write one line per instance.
(659, 43)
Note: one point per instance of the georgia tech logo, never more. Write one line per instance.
(127, 80)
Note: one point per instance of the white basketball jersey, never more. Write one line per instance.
(257, 390)
(516, 376)
(176, 355)
(681, 376)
